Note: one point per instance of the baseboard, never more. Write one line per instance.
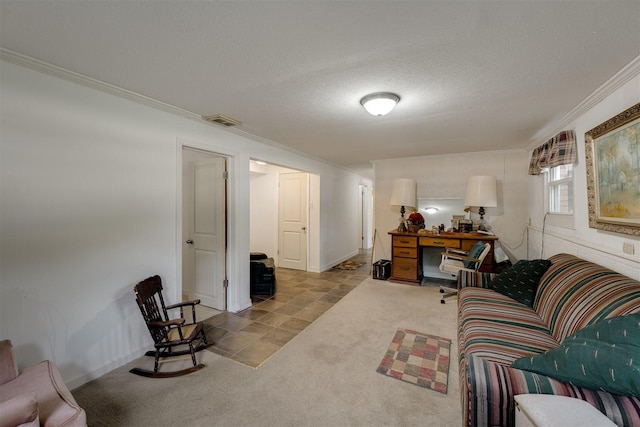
(329, 266)
(97, 373)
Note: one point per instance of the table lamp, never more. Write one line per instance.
(481, 193)
(403, 194)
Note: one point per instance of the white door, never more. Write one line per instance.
(205, 239)
(292, 214)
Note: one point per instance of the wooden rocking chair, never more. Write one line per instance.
(168, 333)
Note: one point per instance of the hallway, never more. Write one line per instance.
(252, 336)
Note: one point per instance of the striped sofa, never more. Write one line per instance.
(495, 330)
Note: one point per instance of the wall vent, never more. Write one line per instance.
(222, 120)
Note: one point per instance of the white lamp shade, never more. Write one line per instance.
(380, 103)
(481, 192)
(404, 192)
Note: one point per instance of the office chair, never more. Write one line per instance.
(453, 261)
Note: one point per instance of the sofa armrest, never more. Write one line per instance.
(467, 279)
(56, 405)
(8, 365)
(21, 411)
(490, 389)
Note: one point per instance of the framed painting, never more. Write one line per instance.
(613, 173)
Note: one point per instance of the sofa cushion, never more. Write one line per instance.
(520, 281)
(8, 365)
(575, 293)
(498, 328)
(21, 410)
(602, 356)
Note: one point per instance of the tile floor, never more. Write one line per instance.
(255, 334)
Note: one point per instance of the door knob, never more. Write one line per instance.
(189, 242)
(304, 228)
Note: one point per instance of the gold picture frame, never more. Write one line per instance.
(613, 173)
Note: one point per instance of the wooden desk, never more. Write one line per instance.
(406, 253)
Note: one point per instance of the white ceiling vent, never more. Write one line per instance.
(222, 120)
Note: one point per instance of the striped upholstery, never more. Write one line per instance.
(472, 279)
(498, 328)
(574, 293)
(494, 330)
(492, 387)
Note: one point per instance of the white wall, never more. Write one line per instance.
(89, 205)
(339, 193)
(595, 245)
(446, 176)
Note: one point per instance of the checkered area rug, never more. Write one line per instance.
(419, 359)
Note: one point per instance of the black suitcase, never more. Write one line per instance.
(382, 269)
(262, 274)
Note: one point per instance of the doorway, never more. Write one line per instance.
(204, 227)
(264, 212)
(365, 203)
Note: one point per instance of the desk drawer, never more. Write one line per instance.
(405, 252)
(405, 242)
(440, 242)
(404, 268)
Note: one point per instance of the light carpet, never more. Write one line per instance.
(326, 376)
(418, 358)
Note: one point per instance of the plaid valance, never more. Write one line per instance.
(559, 150)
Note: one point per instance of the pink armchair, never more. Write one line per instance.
(36, 396)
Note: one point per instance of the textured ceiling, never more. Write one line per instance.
(472, 75)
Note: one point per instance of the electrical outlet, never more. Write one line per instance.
(628, 248)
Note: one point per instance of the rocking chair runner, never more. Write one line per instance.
(168, 333)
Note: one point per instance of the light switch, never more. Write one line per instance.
(628, 248)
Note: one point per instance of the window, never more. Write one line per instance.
(560, 186)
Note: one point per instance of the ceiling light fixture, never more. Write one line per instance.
(380, 103)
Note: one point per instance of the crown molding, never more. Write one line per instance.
(86, 81)
(448, 155)
(630, 71)
(73, 77)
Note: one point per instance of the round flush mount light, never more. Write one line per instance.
(379, 103)
(431, 210)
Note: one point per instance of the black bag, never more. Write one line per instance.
(382, 269)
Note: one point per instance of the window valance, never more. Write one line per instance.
(559, 150)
